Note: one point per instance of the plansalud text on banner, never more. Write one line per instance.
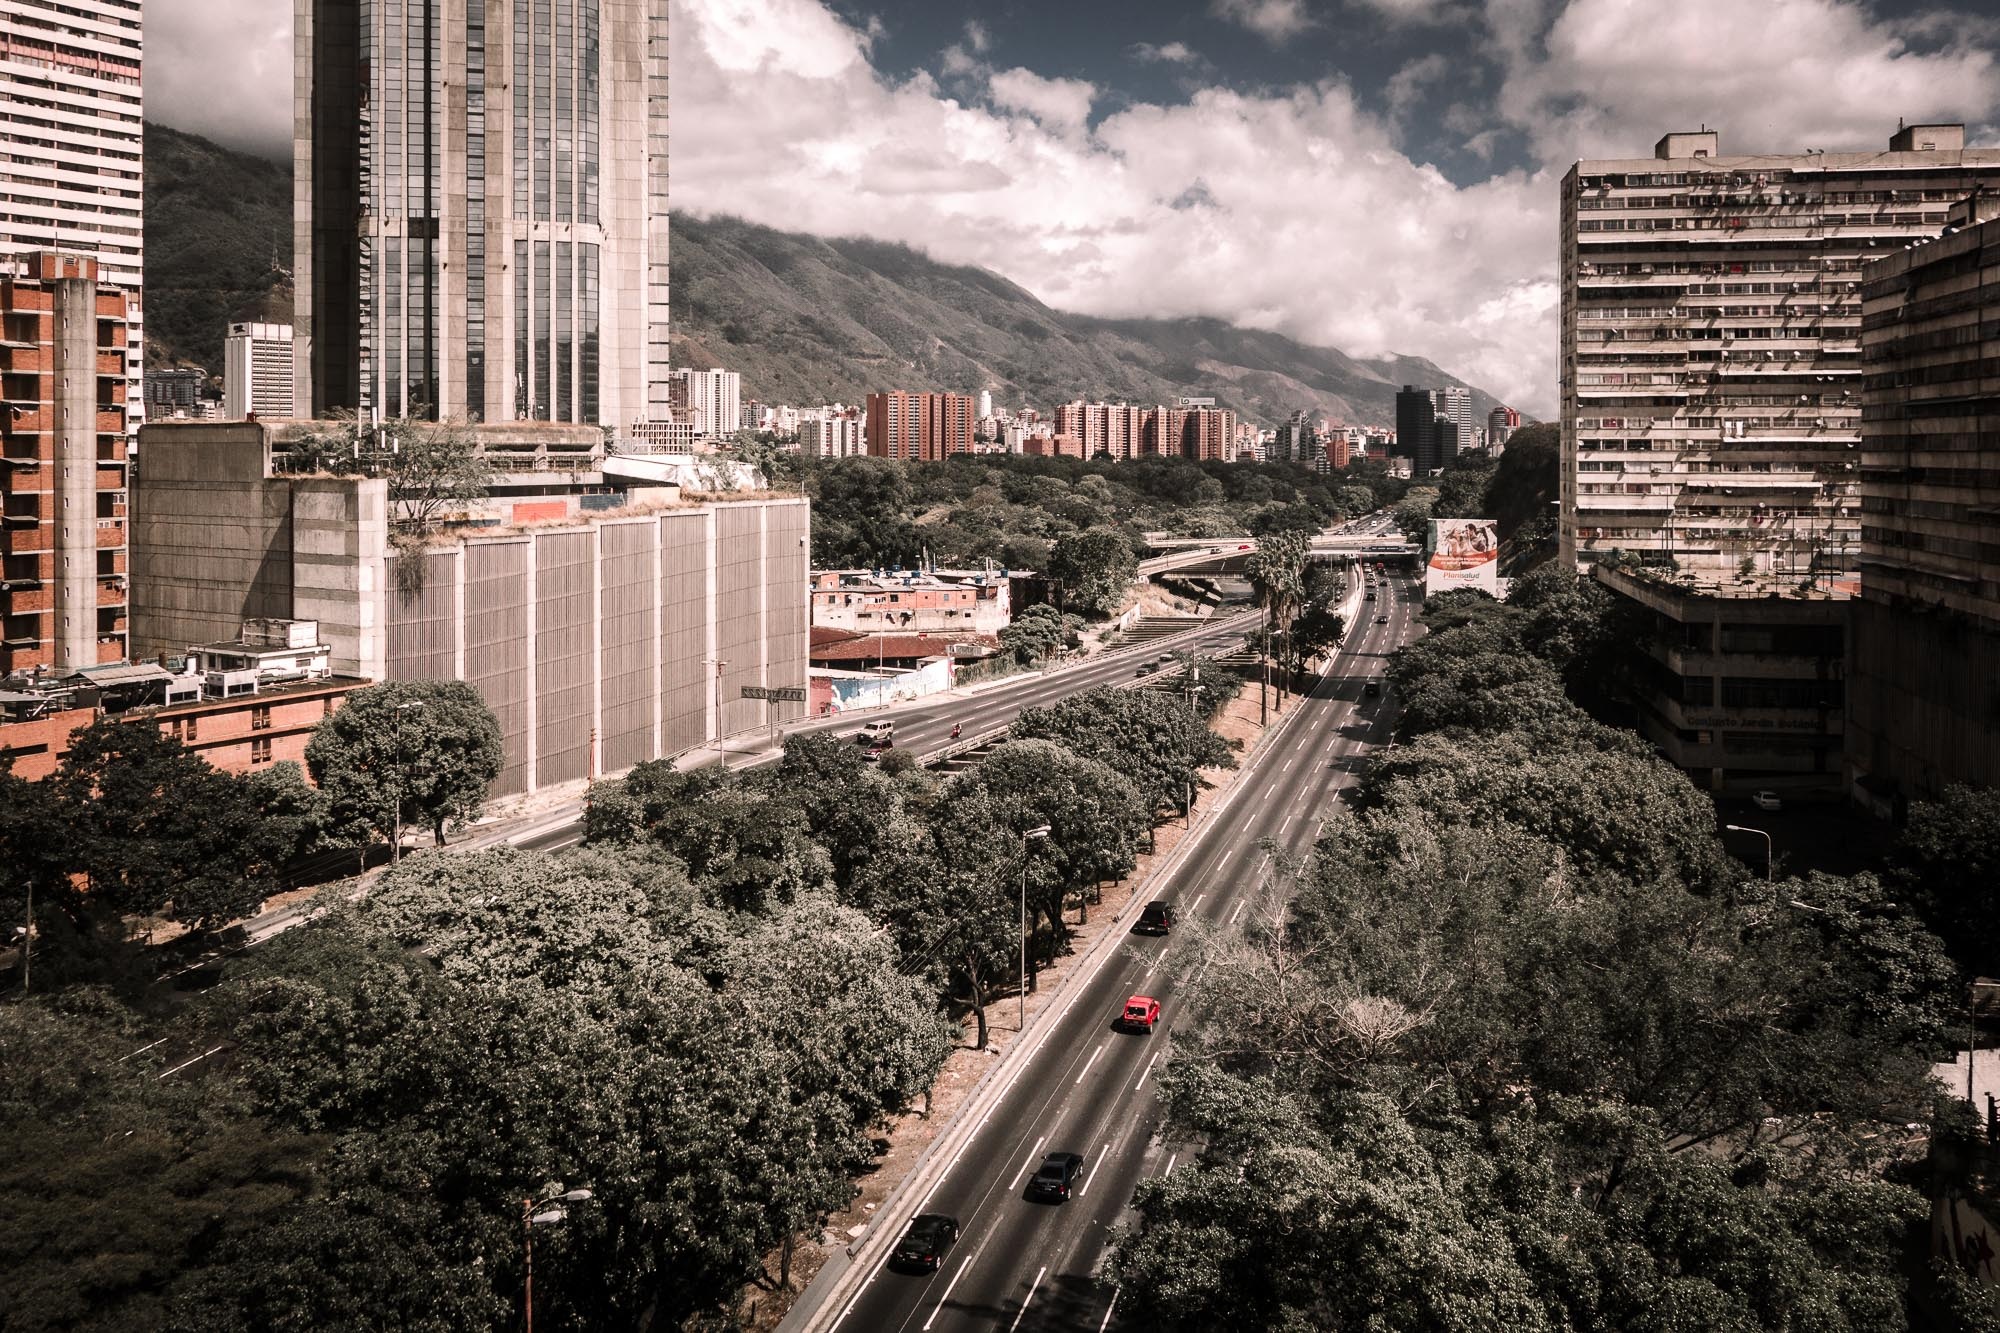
(1464, 553)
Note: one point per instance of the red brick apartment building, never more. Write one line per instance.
(62, 464)
(925, 426)
(1123, 431)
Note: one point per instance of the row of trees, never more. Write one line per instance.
(1083, 522)
(1519, 1046)
(133, 826)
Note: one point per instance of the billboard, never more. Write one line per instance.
(1464, 553)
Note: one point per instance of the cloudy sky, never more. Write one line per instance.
(1375, 175)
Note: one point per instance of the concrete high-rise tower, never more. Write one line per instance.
(1711, 343)
(480, 209)
(73, 137)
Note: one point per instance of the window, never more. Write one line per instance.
(260, 718)
(260, 749)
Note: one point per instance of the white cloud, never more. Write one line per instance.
(1413, 11)
(1057, 103)
(1776, 76)
(1407, 84)
(1273, 20)
(1290, 211)
(977, 37)
(1173, 53)
(189, 46)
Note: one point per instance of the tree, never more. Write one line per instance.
(1413, 514)
(1948, 861)
(971, 916)
(1277, 574)
(153, 829)
(1039, 632)
(433, 468)
(419, 753)
(1156, 741)
(1095, 567)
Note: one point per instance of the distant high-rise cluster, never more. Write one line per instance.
(481, 209)
(1192, 428)
(924, 426)
(712, 398)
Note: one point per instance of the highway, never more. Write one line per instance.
(1084, 1086)
(926, 726)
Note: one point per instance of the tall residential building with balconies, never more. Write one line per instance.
(63, 379)
(480, 209)
(925, 426)
(1711, 354)
(1923, 694)
(72, 143)
(714, 397)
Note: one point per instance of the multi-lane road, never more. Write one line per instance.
(1082, 1085)
(926, 727)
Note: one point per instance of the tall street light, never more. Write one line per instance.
(1031, 835)
(1741, 828)
(396, 817)
(530, 1219)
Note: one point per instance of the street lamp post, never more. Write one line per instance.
(530, 1219)
(720, 749)
(396, 815)
(1741, 828)
(1031, 835)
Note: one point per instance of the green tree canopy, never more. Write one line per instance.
(419, 753)
(1095, 567)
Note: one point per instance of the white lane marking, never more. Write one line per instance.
(860, 1291)
(1109, 1308)
(1171, 1159)
(1091, 1173)
(1237, 914)
(1035, 1152)
(1289, 763)
(947, 1291)
(1032, 1289)
(1287, 824)
(1198, 897)
(1270, 789)
(1091, 1061)
(1147, 1070)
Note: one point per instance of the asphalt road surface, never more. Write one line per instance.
(1088, 1087)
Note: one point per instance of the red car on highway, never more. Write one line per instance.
(1141, 1012)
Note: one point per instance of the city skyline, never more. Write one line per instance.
(1429, 138)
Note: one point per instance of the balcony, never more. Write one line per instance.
(110, 533)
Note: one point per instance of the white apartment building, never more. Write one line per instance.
(1454, 404)
(1711, 354)
(833, 433)
(713, 397)
(72, 146)
(257, 371)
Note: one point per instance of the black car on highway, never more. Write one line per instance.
(1055, 1176)
(1156, 919)
(923, 1245)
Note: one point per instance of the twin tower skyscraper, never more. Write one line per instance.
(480, 209)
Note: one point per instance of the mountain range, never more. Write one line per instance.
(806, 320)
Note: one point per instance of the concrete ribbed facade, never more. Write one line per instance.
(598, 644)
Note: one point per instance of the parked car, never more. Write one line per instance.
(875, 733)
(1055, 1177)
(923, 1245)
(1767, 800)
(1141, 1012)
(1156, 919)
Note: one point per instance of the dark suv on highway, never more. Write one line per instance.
(1157, 919)
(1054, 1177)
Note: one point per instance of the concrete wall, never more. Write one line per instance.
(1923, 701)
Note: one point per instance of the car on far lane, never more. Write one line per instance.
(1141, 1013)
(875, 733)
(1056, 1176)
(1381, 620)
(924, 1243)
(1767, 800)
(1156, 919)
(1372, 688)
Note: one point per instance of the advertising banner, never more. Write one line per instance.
(1464, 553)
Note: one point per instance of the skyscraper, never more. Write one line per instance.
(257, 371)
(1711, 355)
(926, 426)
(73, 140)
(1454, 404)
(1417, 435)
(480, 209)
(715, 397)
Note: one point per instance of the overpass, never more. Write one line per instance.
(1211, 554)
